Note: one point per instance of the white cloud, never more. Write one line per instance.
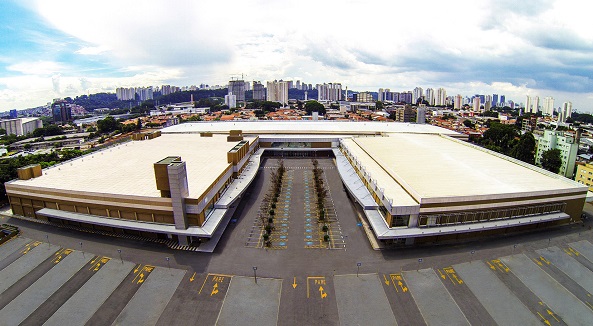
(465, 46)
(36, 68)
(92, 50)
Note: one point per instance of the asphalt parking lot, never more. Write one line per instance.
(81, 279)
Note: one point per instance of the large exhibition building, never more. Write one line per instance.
(414, 183)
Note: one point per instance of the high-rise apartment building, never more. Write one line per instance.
(277, 92)
(405, 97)
(363, 97)
(476, 104)
(259, 91)
(417, 93)
(134, 93)
(565, 111)
(458, 102)
(430, 96)
(548, 107)
(298, 85)
(405, 114)
(495, 100)
(585, 175)
(532, 104)
(566, 143)
(230, 100)
(20, 127)
(61, 111)
(502, 100)
(441, 97)
(329, 92)
(237, 88)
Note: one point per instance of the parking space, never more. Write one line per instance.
(584, 248)
(559, 299)
(308, 300)
(197, 300)
(81, 306)
(402, 304)
(432, 298)
(494, 296)
(471, 307)
(152, 297)
(361, 299)
(249, 303)
(569, 266)
(12, 246)
(31, 257)
(66, 265)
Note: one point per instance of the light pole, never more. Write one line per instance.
(81, 250)
(419, 261)
(255, 274)
(168, 264)
(48, 244)
(472, 252)
(358, 268)
(119, 251)
(514, 247)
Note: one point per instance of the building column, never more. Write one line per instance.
(413, 222)
(179, 191)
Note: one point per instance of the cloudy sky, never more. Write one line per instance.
(61, 48)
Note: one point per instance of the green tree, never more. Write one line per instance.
(524, 150)
(500, 137)
(107, 125)
(138, 124)
(469, 124)
(314, 106)
(551, 160)
(2, 132)
(379, 105)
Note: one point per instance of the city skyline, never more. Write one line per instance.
(67, 48)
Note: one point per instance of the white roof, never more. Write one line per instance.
(432, 166)
(307, 127)
(128, 169)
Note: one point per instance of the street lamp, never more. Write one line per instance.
(168, 264)
(81, 250)
(358, 268)
(47, 238)
(119, 251)
(255, 274)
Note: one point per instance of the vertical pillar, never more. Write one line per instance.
(179, 191)
(413, 221)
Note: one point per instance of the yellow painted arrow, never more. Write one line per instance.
(193, 277)
(547, 322)
(294, 283)
(442, 275)
(491, 266)
(544, 260)
(538, 262)
(552, 314)
(576, 253)
(321, 293)
(214, 289)
(386, 281)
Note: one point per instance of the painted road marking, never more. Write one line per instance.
(213, 281)
(60, 254)
(142, 273)
(398, 281)
(449, 272)
(30, 246)
(500, 265)
(318, 283)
